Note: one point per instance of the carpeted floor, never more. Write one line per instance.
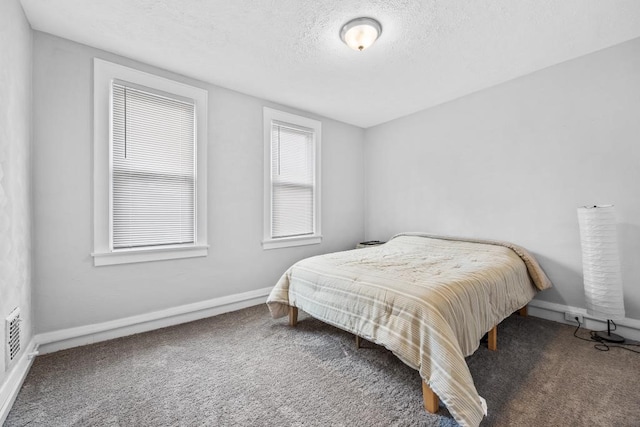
(246, 369)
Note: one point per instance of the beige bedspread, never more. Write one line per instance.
(429, 300)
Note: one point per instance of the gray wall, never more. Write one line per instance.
(514, 162)
(69, 291)
(15, 182)
(510, 162)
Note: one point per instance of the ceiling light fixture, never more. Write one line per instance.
(360, 33)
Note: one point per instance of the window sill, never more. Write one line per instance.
(286, 242)
(129, 256)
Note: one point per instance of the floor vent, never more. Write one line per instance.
(13, 337)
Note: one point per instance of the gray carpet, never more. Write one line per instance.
(245, 369)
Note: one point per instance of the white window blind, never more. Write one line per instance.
(292, 180)
(153, 178)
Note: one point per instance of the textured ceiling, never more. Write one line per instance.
(289, 51)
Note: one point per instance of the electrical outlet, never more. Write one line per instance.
(571, 317)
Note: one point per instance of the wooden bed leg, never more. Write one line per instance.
(358, 341)
(523, 311)
(293, 316)
(430, 399)
(492, 341)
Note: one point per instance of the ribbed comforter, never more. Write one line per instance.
(427, 299)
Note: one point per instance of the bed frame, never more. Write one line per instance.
(430, 399)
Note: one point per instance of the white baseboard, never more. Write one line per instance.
(9, 390)
(89, 334)
(628, 328)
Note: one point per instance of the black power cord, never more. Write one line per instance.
(601, 344)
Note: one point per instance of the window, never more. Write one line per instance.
(292, 180)
(149, 167)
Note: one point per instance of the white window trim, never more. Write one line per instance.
(103, 254)
(270, 115)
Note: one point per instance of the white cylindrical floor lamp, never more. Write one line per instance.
(601, 266)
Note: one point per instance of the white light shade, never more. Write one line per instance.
(360, 33)
(600, 262)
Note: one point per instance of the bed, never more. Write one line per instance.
(429, 299)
